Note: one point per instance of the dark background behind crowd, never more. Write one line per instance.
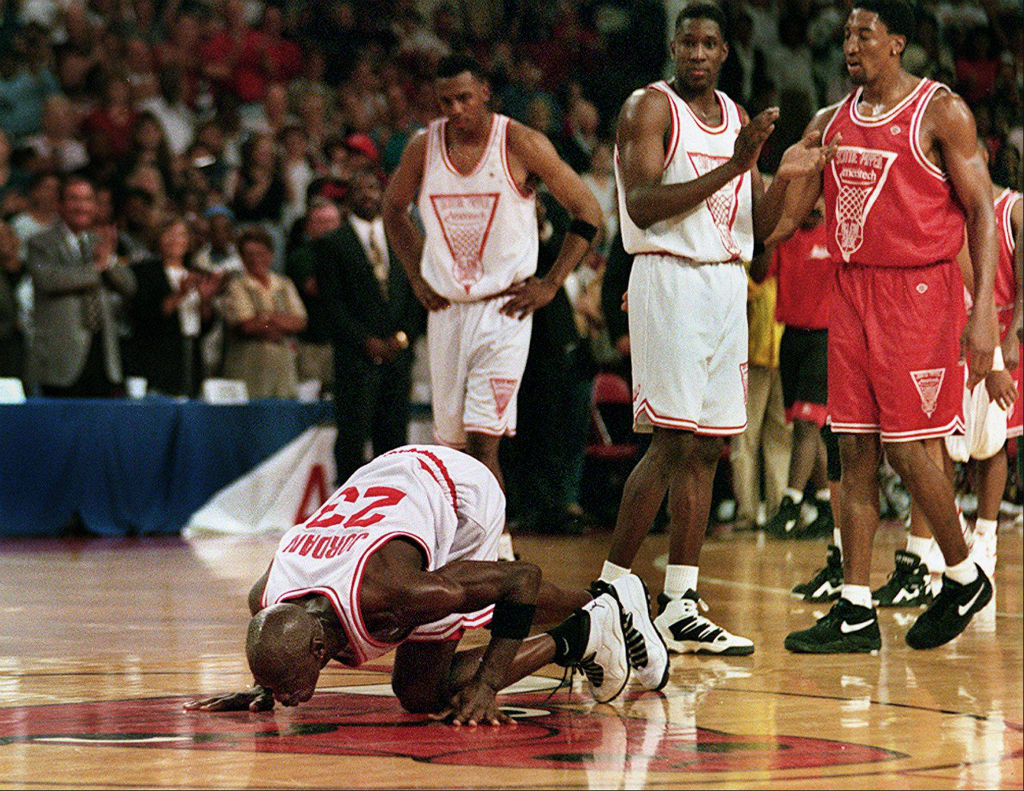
(196, 121)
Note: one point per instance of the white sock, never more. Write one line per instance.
(919, 545)
(610, 572)
(823, 495)
(679, 580)
(837, 539)
(794, 494)
(857, 594)
(965, 572)
(985, 527)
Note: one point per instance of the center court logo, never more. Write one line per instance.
(553, 732)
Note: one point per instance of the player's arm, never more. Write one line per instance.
(803, 161)
(798, 193)
(541, 161)
(411, 598)
(255, 698)
(950, 125)
(403, 235)
(1011, 344)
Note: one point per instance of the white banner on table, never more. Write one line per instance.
(282, 491)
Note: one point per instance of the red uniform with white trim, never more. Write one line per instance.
(480, 238)
(1005, 294)
(444, 501)
(894, 229)
(688, 286)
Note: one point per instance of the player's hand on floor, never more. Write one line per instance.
(253, 699)
(527, 296)
(475, 704)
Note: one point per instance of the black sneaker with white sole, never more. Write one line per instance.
(907, 586)
(847, 628)
(783, 522)
(950, 612)
(827, 582)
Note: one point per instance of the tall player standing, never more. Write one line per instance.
(691, 203)
(473, 175)
(906, 178)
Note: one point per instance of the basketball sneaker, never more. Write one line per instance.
(648, 655)
(827, 582)
(604, 661)
(950, 612)
(984, 552)
(686, 631)
(784, 521)
(908, 585)
(847, 628)
(822, 524)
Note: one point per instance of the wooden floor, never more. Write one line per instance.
(101, 641)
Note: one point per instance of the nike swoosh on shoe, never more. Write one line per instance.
(846, 627)
(963, 608)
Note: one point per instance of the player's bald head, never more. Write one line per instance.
(279, 639)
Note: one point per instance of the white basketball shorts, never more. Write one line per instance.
(984, 427)
(688, 338)
(477, 357)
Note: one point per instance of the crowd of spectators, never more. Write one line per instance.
(219, 117)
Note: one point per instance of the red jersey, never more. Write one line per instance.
(1006, 282)
(886, 204)
(804, 271)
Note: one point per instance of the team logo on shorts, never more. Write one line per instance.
(466, 221)
(724, 203)
(502, 389)
(860, 174)
(928, 383)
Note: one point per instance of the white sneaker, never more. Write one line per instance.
(604, 662)
(984, 552)
(686, 631)
(648, 654)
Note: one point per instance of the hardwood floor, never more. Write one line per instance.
(101, 641)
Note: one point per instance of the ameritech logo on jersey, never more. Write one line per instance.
(465, 221)
(860, 174)
(928, 383)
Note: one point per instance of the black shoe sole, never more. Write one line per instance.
(839, 647)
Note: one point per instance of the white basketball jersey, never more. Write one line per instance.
(439, 499)
(719, 228)
(481, 231)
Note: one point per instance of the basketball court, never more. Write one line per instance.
(102, 641)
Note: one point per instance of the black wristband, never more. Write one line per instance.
(512, 619)
(583, 229)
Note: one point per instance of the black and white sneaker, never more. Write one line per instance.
(783, 522)
(648, 654)
(605, 662)
(686, 631)
(827, 582)
(907, 586)
(950, 612)
(847, 628)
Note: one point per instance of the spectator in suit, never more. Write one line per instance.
(12, 340)
(170, 311)
(264, 315)
(316, 356)
(375, 317)
(74, 270)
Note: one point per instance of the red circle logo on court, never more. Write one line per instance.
(554, 732)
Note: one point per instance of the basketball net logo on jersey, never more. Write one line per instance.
(860, 174)
(723, 204)
(928, 383)
(502, 389)
(466, 222)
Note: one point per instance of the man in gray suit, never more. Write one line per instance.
(74, 349)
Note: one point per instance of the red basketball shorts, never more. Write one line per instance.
(893, 352)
